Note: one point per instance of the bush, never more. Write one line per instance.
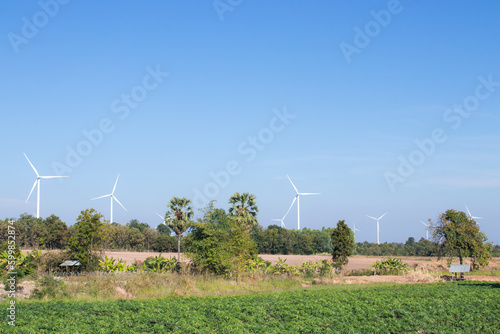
(48, 287)
(390, 266)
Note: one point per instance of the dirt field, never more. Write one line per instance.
(355, 262)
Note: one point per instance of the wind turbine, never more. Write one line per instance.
(378, 229)
(282, 219)
(37, 184)
(297, 197)
(426, 229)
(354, 230)
(112, 197)
(471, 216)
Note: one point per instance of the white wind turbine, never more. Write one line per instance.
(471, 216)
(37, 184)
(297, 197)
(378, 229)
(426, 229)
(354, 229)
(112, 197)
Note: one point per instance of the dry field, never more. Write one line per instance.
(355, 262)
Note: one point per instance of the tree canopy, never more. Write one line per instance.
(343, 242)
(458, 235)
(244, 208)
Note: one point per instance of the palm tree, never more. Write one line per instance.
(244, 208)
(179, 219)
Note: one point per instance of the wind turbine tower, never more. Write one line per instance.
(426, 229)
(378, 228)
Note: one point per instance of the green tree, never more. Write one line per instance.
(135, 223)
(57, 233)
(86, 240)
(458, 235)
(343, 242)
(221, 244)
(244, 209)
(179, 219)
(163, 229)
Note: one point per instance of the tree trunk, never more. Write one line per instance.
(178, 248)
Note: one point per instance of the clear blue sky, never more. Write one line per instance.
(362, 82)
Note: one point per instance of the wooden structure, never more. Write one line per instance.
(70, 264)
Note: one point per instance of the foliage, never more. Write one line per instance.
(343, 241)
(48, 287)
(138, 225)
(220, 244)
(160, 264)
(459, 236)
(391, 266)
(244, 209)
(87, 239)
(464, 307)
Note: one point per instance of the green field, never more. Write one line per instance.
(455, 307)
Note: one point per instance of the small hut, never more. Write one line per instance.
(70, 264)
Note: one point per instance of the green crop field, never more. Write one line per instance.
(453, 307)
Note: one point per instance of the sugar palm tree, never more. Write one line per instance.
(179, 219)
(244, 208)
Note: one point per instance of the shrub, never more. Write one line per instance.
(391, 266)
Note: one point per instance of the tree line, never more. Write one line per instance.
(52, 233)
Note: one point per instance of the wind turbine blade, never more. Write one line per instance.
(101, 197)
(51, 177)
(32, 188)
(309, 194)
(31, 164)
(371, 217)
(290, 208)
(116, 199)
(424, 223)
(468, 211)
(161, 216)
(276, 220)
(293, 185)
(115, 185)
(382, 216)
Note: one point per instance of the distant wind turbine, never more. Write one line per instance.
(354, 229)
(112, 197)
(37, 184)
(378, 228)
(297, 197)
(471, 216)
(426, 229)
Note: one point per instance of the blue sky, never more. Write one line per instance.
(379, 106)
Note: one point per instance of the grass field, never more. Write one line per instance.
(459, 307)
